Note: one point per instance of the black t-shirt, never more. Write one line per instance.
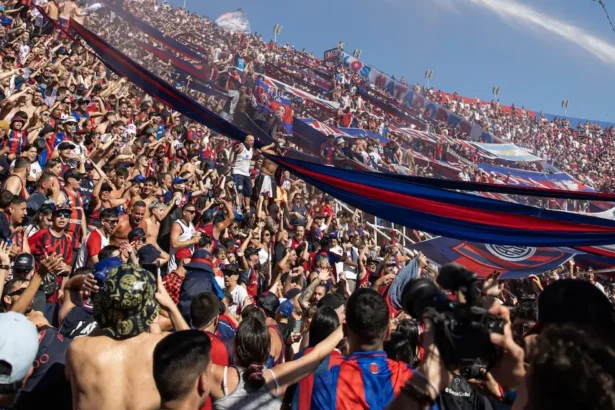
(35, 201)
(78, 323)
(278, 251)
(5, 230)
(48, 385)
(459, 395)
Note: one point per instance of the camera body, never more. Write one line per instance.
(461, 330)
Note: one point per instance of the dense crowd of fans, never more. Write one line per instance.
(148, 262)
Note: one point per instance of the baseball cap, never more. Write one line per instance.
(286, 308)
(69, 119)
(24, 262)
(179, 180)
(230, 270)
(574, 301)
(139, 179)
(125, 305)
(102, 268)
(65, 145)
(268, 302)
(18, 346)
(148, 254)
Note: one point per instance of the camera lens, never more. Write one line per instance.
(419, 294)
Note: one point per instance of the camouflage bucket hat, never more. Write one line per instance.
(125, 305)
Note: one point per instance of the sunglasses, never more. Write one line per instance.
(191, 211)
(63, 215)
(111, 221)
(17, 292)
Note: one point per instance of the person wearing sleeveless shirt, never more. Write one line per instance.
(183, 234)
(241, 170)
(248, 385)
(16, 182)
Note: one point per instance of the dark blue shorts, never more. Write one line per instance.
(243, 185)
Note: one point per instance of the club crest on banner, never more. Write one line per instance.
(511, 253)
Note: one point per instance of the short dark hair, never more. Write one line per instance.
(324, 322)
(21, 162)
(6, 197)
(367, 315)
(17, 201)
(203, 309)
(179, 360)
(121, 172)
(152, 180)
(85, 270)
(108, 213)
(107, 251)
(46, 176)
(138, 204)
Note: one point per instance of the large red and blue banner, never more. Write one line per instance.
(453, 214)
(483, 259)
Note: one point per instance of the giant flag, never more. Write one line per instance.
(234, 21)
(513, 261)
(453, 214)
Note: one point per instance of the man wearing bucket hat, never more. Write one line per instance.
(111, 368)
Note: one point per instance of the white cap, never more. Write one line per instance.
(18, 346)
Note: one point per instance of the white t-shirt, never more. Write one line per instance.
(239, 294)
(599, 286)
(93, 244)
(35, 169)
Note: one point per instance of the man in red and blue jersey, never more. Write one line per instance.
(324, 322)
(204, 315)
(366, 379)
(329, 151)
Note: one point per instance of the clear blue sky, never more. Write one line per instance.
(539, 53)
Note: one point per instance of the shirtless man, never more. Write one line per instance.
(265, 183)
(129, 222)
(69, 11)
(51, 8)
(119, 182)
(147, 194)
(158, 211)
(112, 367)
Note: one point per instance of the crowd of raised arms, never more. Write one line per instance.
(147, 262)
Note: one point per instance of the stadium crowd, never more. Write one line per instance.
(147, 262)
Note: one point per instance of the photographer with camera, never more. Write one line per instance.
(457, 335)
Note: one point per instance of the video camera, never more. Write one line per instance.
(461, 330)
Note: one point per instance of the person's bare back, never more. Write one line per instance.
(113, 374)
(52, 10)
(67, 10)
